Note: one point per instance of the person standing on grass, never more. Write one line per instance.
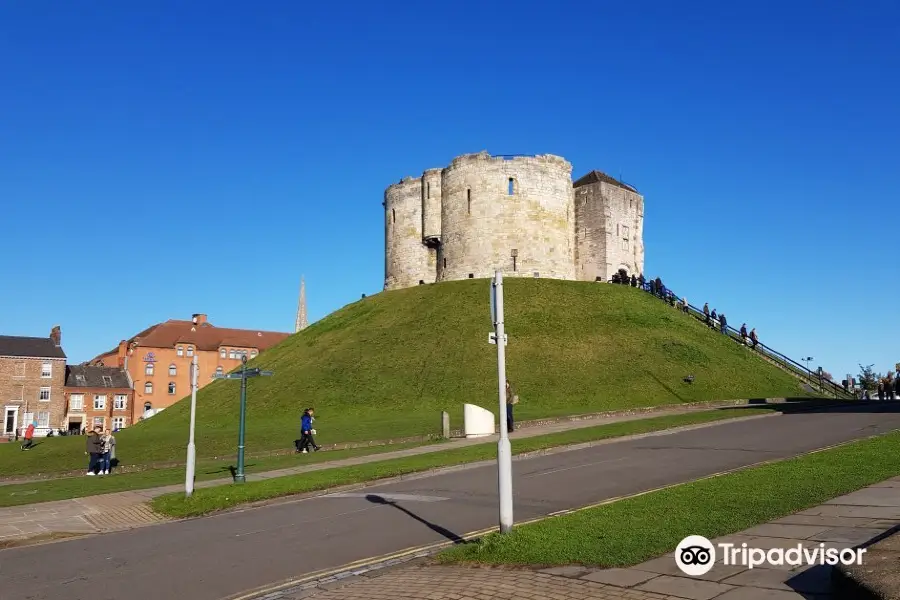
(108, 445)
(29, 437)
(94, 447)
(306, 431)
(511, 400)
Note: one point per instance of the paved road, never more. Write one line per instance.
(207, 559)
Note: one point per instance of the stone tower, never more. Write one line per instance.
(609, 220)
(301, 322)
(520, 214)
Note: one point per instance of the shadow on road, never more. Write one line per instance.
(456, 539)
(807, 405)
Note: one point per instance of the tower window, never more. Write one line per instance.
(445, 263)
(428, 189)
(469, 200)
(393, 215)
(510, 187)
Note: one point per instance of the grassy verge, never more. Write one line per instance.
(208, 500)
(637, 529)
(80, 486)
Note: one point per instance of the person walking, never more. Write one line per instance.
(306, 431)
(511, 400)
(754, 339)
(706, 311)
(723, 322)
(29, 437)
(94, 447)
(744, 334)
(107, 449)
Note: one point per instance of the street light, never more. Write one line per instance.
(504, 451)
(191, 450)
(243, 375)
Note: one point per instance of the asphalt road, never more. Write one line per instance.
(210, 558)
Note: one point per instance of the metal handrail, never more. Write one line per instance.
(762, 348)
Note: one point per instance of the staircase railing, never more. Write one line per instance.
(787, 363)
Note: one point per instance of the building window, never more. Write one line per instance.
(99, 402)
(100, 422)
(253, 353)
(223, 353)
(20, 370)
(171, 388)
(148, 388)
(46, 370)
(469, 200)
(190, 351)
(148, 369)
(173, 370)
(232, 354)
(107, 381)
(445, 263)
(428, 189)
(44, 394)
(179, 351)
(76, 402)
(510, 187)
(147, 406)
(219, 370)
(118, 422)
(120, 402)
(43, 419)
(393, 215)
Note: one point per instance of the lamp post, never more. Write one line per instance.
(243, 375)
(191, 449)
(504, 451)
(807, 361)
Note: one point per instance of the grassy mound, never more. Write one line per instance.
(384, 367)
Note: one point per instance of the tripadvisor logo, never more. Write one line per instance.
(696, 555)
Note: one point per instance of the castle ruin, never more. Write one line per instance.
(521, 214)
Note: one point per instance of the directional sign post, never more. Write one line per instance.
(243, 374)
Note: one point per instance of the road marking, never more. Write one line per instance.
(561, 469)
(281, 527)
(360, 564)
(390, 497)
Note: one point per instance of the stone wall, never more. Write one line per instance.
(608, 231)
(482, 224)
(406, 257)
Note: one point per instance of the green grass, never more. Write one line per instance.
(81, 486)
(208, 500)
(637, 529)
(386, 366)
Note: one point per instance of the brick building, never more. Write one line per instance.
(98, 396)
(32, 381)
(158, 359)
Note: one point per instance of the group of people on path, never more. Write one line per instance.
(718, 320)
(101, 446)
(306, 433)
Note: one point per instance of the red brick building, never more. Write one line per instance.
(98, 396)
(158, 359)
(32, 377)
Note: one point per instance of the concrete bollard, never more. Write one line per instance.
(445, 424)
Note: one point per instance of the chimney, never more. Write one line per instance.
(56, 335)
(123, 353)
(199, 319)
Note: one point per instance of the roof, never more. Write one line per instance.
(32, 347)
(600, 176)
(203, 336)
(96, 377)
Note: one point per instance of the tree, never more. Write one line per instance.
(868, 379)
(827, 375)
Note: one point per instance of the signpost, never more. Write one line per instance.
(192, 450)
(504, 451)
(243, 375)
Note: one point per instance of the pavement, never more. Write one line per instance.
(231, 553)
(849, 521)
(127, 510)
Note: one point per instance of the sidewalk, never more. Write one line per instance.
(126, 510)
(845, 522)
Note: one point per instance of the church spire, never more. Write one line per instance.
(301, 322)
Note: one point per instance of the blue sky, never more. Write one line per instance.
(163, 158)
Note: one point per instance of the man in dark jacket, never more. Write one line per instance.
(94, 447)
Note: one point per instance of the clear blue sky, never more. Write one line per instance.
(163, 158)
